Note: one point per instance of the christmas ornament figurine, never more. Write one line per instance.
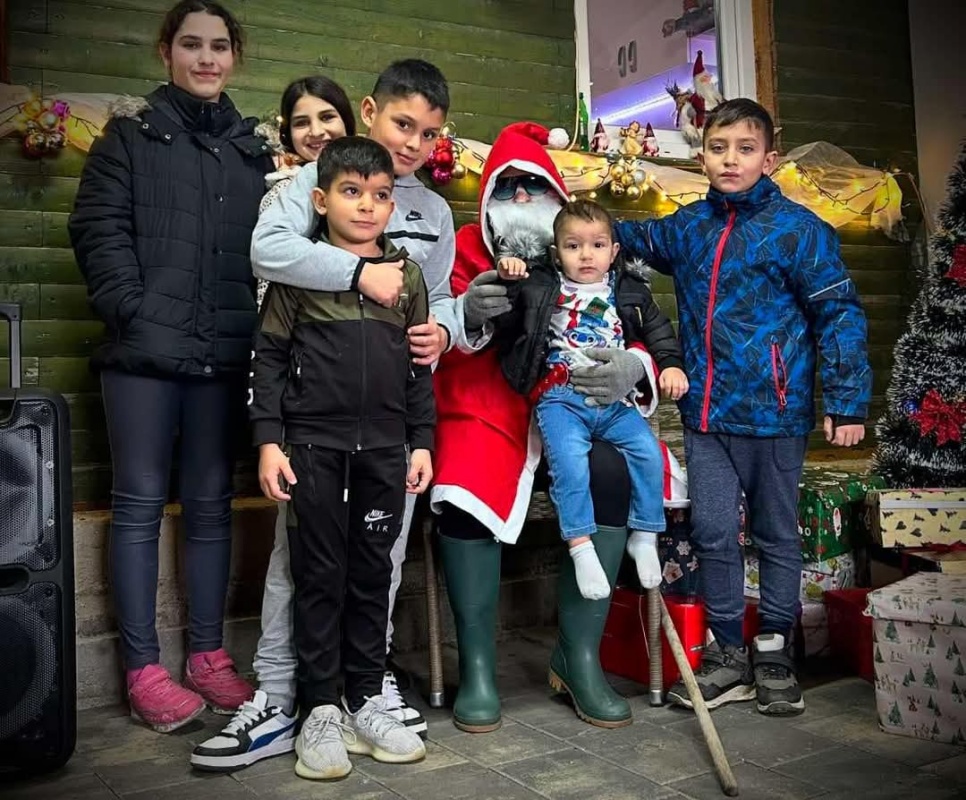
(650, 145)
(692, 105)
(632, 138)
(600, 141)
(922, 434)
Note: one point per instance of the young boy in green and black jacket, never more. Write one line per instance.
(334, 382)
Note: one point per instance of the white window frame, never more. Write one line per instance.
(736, 63)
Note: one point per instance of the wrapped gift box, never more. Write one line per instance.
(917, 517)
(813, 631)
(818, 577)
(679, 564)
(919, 630)
(831, 510)
(831, 514)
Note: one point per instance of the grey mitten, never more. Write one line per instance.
(485, 299)
(612, 379)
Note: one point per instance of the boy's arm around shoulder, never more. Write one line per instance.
(650, 240)
(282, 251)
(420, 401)
(827, 293)
(270, 365)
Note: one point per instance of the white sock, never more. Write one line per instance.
(642, 547)
(591, 579)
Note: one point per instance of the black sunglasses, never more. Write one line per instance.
(533, 185)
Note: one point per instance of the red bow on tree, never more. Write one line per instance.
(937, 416)
(957, 270)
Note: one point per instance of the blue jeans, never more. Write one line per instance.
(144, 417)
(567, 426)
(720, 466)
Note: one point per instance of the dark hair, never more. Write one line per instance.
(741, 109)
(175, 17)
(355, 154)
(317, 86)
(587, 210)
(403, 79)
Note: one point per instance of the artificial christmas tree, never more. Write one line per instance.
(922, 435)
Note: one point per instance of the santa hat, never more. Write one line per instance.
(519, 145)
(649, 131)
(698, 66)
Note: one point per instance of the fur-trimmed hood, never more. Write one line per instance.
(128, 107)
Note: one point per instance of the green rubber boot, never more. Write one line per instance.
(575, 663)
(472, 569)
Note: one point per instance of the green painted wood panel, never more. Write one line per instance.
(505, 60)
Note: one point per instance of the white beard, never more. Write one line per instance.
(523, 230)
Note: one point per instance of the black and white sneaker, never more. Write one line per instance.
(725, 676)
(397, 707)
(778, 692)
(257, 731)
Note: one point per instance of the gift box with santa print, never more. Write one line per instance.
(830, 510)
(919, 648)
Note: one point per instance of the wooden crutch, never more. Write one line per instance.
(721, 766)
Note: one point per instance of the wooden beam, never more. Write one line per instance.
(765, 67)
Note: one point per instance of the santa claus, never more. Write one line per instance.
(487, 450)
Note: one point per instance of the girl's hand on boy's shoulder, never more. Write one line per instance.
(420, 472)
(273, 468)
(673, 383)
(512, 269)
(843, 435)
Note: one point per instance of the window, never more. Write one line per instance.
(631, 53)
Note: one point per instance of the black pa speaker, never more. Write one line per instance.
(38, 699)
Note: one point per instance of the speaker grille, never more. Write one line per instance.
(28, 655)
(28, 517)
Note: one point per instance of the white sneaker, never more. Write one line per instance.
(320, 747)
(373, 731)
(256, 731)
(397, 706)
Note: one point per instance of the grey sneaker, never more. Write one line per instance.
(724, 676)
(778, 691)
(373, 731)
(320, 748)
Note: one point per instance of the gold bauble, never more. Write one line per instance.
(627, 179)
(617, 171)
(459, 171)
(633, 192)
(617, 189)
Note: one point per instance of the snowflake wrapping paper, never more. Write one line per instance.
(919, 642)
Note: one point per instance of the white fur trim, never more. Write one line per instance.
(648, 362)
(128, 106)
(558, 139)
(503, 531)
(524, 166)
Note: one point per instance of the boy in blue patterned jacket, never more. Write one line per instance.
(761, 292)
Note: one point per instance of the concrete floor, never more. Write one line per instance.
(834, 750)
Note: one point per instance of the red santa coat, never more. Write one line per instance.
(486, 450)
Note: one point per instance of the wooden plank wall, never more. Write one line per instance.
(844, 75)
(505, 59)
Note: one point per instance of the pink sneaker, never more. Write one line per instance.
(213, 676)
(158, 701)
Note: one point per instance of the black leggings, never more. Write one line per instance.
(610, 488)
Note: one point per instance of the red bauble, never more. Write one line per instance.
(957, 270)
(443, 143)
(441, 176)
(444, 158)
